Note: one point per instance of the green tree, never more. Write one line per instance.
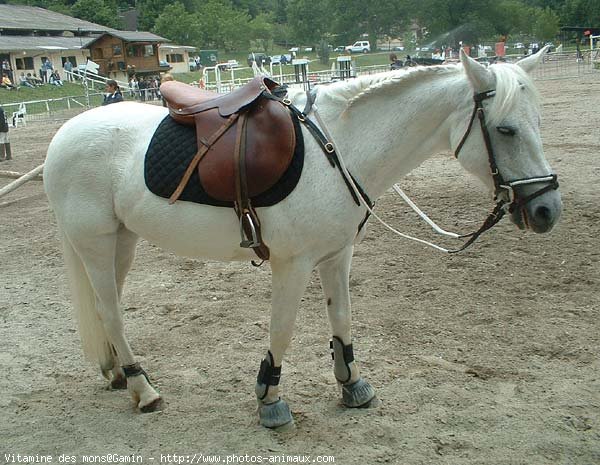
(222, 26)
(511, 17)
(353, 18)
(262, 29)
(148, 13)
(308, 20)
(546, 25)
(582, 13)
(176, 24)
(97, 11)
(451, 21)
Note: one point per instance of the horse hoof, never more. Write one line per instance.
(154, 406)
(276, 415)
(358, 395)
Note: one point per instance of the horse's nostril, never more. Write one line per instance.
(543, 215)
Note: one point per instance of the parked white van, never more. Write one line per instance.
(362, 46)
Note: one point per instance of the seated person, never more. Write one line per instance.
(6, 83)
(36, 81)
(394, 62)
(55, 79)
(24, 82)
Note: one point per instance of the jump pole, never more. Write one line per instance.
(22, 180)
(17, 175)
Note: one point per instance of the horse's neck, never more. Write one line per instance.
(387, 134)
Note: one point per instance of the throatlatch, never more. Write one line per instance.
(342, 356)
(268, 375)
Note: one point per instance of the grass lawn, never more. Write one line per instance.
(45, 92)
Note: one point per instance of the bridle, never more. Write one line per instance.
(505, 196)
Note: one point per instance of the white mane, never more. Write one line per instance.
(511, 84)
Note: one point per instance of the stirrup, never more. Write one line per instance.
(248, 243)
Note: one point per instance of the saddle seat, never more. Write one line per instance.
(241, 121)
(184, 100)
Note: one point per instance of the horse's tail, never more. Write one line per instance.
(96, 345)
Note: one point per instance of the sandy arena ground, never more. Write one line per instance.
(486, 357)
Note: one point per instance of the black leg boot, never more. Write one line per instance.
(2, 154)
(8, 152)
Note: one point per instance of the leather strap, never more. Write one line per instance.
(268, 375)
(135, 370)
(243, 206)
(206, 145)
(326, 145)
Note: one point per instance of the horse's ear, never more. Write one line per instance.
(479, 76)
(532, 61)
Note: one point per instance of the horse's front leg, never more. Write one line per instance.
(335, 275)
(289, 282)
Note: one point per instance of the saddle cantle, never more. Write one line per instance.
(184, 100)
(245, 144)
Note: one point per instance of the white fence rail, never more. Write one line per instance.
(568, 65)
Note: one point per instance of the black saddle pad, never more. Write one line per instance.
(174, 145)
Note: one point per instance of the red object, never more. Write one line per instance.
(500, 49)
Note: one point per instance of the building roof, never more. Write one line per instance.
(173, 47)
(131, 36)
(137, 36)
(33, 43)
(22, 17)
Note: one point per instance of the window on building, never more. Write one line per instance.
(117, 50)
(24, 63)
(134, 51)
(72, 59)
(175, 58)
(148, 50)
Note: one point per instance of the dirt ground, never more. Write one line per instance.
(486, 357)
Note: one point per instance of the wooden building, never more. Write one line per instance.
(121, 54)
(30, 35)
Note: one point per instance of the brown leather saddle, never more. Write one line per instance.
(245, 144)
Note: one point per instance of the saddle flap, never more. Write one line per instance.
(184, 100)
(269, 149)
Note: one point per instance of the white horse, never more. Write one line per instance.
(384, 126)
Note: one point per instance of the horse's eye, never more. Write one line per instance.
(506, 130)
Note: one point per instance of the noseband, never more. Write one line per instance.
(505, 196)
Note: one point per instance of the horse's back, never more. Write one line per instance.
(90, 149)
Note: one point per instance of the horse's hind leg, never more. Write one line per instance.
(335, 274)
(98, 256)
(125, 254)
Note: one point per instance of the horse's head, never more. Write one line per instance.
(502, 145)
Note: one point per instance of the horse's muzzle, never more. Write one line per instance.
(539, 214)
